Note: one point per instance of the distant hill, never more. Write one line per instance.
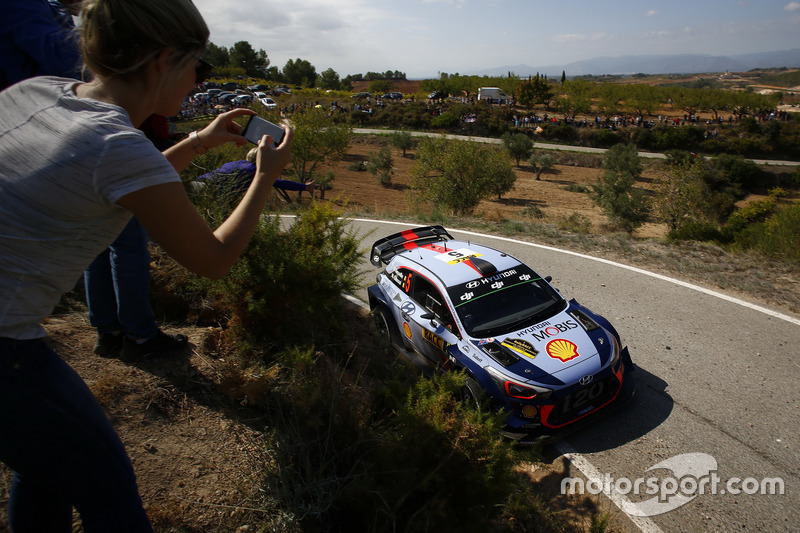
(656, 64)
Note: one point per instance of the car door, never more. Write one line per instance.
(432, 312)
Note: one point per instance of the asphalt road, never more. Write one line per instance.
(717, 378)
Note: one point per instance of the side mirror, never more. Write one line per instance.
(446, 335)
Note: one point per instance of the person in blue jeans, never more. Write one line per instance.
(117, 286)
(64, 202)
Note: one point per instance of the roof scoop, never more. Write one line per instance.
(483, 266)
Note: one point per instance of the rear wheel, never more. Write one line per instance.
(382, 325)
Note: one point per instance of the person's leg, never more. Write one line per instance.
(130, 270)
(62, 447)
(100, 297)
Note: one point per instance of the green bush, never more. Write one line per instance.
(696, 231)
(288, 277)
(445, 121)
(381, 165)
(561, 132)
(778, 236)
(607, 138)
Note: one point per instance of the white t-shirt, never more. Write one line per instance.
(64, 163)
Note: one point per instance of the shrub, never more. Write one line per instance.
(625, 205)
(606, 138)
(575, 187)
(290, 277)
(576, 223)
(778, 236)
(381, 165)
(696, 231)
(445, 121)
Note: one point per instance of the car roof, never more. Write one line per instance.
(432, 249)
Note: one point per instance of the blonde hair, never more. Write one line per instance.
(251, 154)
(119, 37)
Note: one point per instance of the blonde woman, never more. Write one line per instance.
(73, 169)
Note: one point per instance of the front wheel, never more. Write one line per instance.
(471, 393)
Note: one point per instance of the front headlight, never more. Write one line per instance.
(515, 389)
(614, 351)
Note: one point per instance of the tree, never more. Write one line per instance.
(535, 91)
(254, 63)
(317, 140)
(519, 145)
(682, 196)
(459, 174)
(329, 79)
(217, 55)
(379, 87)
(541, 162)
(609, 99)
(625, 205)
(381, 165)
(402, 140)
(576, 97)
(300, 72)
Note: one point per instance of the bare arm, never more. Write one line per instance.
(173, 222)
(223, 129)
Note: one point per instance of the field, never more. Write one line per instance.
(198, 452)
(362, 193)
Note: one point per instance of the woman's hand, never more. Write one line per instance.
(271, 159)
(224, 129)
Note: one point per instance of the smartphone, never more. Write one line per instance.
(257, 127)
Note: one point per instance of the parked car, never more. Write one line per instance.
(437, 95)
(257, 87)
(393, 96)
(268, 102)
(360, 96)
(227, 98)
(242, 99)
(551, 364)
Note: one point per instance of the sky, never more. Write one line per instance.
(424, 38)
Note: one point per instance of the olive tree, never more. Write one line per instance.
(457, 175)
(625, 205)
(519, 145)
(317, 140)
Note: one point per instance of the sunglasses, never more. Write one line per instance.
(202, 71)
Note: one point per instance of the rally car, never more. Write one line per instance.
(550, 363)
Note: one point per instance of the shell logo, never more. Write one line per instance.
(562, 349)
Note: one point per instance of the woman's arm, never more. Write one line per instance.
(223, 129)
(173, 222)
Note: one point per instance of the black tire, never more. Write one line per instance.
(383, 325)
(471, 393)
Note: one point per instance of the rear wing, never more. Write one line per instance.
(384, 249)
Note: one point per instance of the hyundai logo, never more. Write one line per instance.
(585, 380)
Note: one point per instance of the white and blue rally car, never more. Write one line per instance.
(455, 305)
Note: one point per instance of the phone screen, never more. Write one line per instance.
(257, 127)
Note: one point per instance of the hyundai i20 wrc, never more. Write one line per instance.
(550, 363)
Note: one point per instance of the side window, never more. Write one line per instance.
(424, 292)
(402, 277)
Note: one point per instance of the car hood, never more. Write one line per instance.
(558, 347)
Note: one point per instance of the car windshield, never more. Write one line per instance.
(505, 302)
